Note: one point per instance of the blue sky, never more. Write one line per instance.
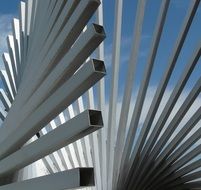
(9, 6)
(176, 14)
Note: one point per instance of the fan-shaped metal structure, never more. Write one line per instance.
(53, 135)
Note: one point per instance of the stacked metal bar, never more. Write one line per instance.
(46, 139)
(45, 73)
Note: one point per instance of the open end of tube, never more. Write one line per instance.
(95, 118)
(99, 29)
(99, 65)
(87, 177)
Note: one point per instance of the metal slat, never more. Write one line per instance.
(49, 68)
(76, 128)
(61, 73)
(75, 178)
(68, 92)
(111, 126)
(163, 84)
(171, 102)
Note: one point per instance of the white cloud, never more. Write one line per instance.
(126, 43)
(149, 97)
(5, 29)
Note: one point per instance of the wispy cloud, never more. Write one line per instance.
(5, 29)
(149, 97)
(126, 43)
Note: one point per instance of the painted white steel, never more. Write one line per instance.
(74, 129)
(68, 92)
(63, 180)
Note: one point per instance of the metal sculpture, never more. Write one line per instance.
(52, 136)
